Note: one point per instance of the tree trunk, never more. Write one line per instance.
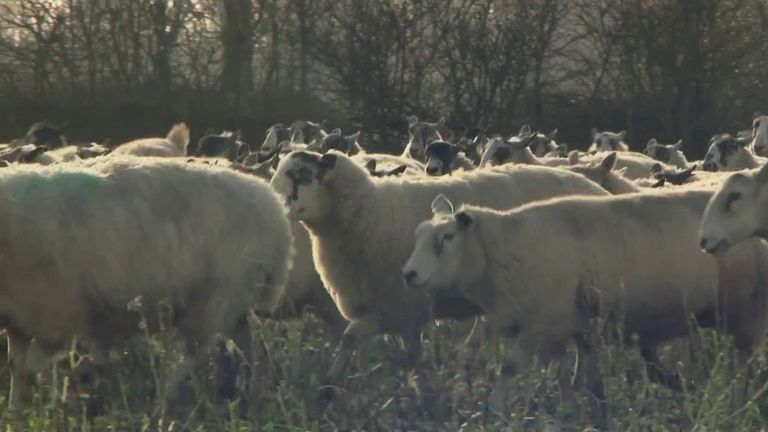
(237, 44)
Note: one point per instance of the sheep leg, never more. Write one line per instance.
(656, 371)
(18, 347)
(360, 328)
(588, 371)
(520, 358)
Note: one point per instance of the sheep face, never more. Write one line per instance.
(735, 212)
(722, 149)
(299, 178)
(514, 150)
(45, 134)
(420, 135)
(336, 141)
(597, 172)
(276, 134)
(473, 140)
(561, 151)
(760, 134)
(306, 132)
(543, 144)
(440, 156)
(442, 244)
(661, 152)
(227, 145)
(607, 141)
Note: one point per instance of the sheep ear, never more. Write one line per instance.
(327, 163)
(608, 162)
(354, 137)
(442, 205)
(464, 220)
(678, 145)
(756, 115)
(412, 120)
(335, 132)
(524, 130)
(528, 141)
(371, 166)
(552, 135)
(397, 171)
(651, 142)
(656, 168)
(623, 135)
(593, 133)
(573, 157)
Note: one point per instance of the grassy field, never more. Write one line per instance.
(448, 391)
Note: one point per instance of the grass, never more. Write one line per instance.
(459, 367)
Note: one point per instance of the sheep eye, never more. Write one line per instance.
(732, 198)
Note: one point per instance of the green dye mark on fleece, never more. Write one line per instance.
(33, 189)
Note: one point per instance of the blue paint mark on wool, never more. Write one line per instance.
(32, 189)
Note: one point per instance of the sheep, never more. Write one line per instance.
(561, 151)
(228, 145)
(85, 240)
(346, 211)
(670, 154)
(389, 163)
(542, 144)
(760, 134)
(515, 150)
(306, 132)
(504, 260)
(420, 135)
(736, 212)
(638, 165)
(473, 142)
(174, 144)
(26, 153)
(729, 153)
(603, 174)
(336, 141)
(276, 135)
(443, 158)
(608, 141)
(45, 134)
(371, 167)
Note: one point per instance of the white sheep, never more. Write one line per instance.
(603, 174)
(390, 162)
(670, 154)
(420, 135)
(85, 240)
(515, 150)
(541, 271)
(729, 153)
(760, 134)
(608, 141)
(443, 158)
(173, 145)
(336, 141)
(636, 165)
(276, 134)
(362, 232)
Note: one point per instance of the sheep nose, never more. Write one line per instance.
(703, 244)
(410, 276)
(431, 170)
